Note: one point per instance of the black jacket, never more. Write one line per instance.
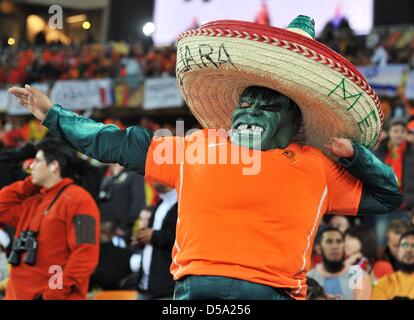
(88, 176)
(161, 282)
(408, 171)
(113, 266)
(122, 197)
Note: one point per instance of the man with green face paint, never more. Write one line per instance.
(248, 236)
(264, 120)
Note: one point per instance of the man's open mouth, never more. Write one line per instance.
(249, 129)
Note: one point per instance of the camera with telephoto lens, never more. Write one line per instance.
(26, 242)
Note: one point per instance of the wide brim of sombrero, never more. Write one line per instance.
(217, 61)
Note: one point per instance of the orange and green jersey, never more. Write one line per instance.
(258, 228)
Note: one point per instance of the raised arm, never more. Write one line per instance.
(380, 192)
(106, 143)
(12, 198)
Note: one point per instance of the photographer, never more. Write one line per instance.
(56, 245)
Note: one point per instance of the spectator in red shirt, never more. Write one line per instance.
(57, 225)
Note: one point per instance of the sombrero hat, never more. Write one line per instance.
(217, 61)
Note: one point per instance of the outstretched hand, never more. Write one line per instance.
(32, 99)
(341, 147)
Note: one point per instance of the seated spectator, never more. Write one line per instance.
(361, 250)
(398, 154)
(360, 247)
(395, 229)
(400, 284)
(342, 223)
(337, 278)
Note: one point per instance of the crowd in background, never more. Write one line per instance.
(380, 47)
(29, 64)
(129, 205)
(133, 62)
(89, 61)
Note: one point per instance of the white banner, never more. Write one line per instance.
(409, 89)
(4, 100)
(15, 109)
(162, 93)
(82, 94)
(384, 80)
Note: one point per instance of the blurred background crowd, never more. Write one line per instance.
(100, 46)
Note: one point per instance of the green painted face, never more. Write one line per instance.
(264, 119)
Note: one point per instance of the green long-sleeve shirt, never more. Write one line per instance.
(109, 144)
(106, 143)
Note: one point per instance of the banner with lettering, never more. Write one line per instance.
(162, 93)
(409, 88)
(4, 100)
(83, 94)
(384, 80)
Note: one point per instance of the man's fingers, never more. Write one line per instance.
(30, 89)
(23, 102)
(31, 100)
(328, 146)
(142, 237)
(19, 92)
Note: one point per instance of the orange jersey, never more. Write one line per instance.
(257, 227)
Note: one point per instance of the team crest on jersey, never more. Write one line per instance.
(290, 156)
